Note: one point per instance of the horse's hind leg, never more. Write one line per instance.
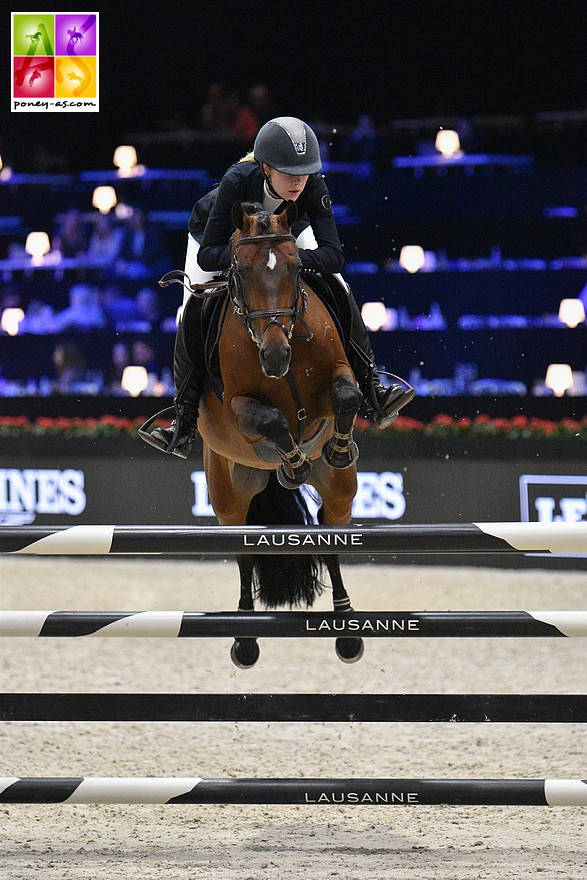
(245, 651)
(349, 650)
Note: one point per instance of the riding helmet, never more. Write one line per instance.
(288, 145)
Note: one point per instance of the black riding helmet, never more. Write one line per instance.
(288, 145)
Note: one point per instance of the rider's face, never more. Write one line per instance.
(287, 186)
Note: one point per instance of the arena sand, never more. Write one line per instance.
(53, 842)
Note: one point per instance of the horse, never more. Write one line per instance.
(285, 418)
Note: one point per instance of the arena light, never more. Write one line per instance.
(374, 315)
(125, 159)
(559, 377)
(134, 380)
(571, 312)
(11, 318)
(37, 245)
(412, 257)
(447, 142)
(104, 198)
(5, 171)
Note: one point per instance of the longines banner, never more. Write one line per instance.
(70, 483)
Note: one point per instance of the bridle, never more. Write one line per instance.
(232, 283)
(246, 316)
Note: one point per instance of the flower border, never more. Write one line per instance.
(441, 425)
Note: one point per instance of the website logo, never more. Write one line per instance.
(55, 62)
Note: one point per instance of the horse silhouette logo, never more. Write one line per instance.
(74, 35)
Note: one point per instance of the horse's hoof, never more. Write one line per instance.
(293, 479)
(349, 650)
(340, 460)
(244, 653)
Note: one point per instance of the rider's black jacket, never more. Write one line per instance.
(211, 224)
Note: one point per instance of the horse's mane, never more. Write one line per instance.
(263, 216)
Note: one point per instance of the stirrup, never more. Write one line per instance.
(382, 418)
(158, 442)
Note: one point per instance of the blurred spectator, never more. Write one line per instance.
(142, 252)
(261, 103)
(219, 110)
(143, 355)
(39, 318)
(253, 113)
(148, 306)
(84, 311)
(71, 237)
(105, 241)
(119, 360)
(246, 124)
(364, 143)
(119, 308)
(70, 367)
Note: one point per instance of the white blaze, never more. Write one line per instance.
(272, 260)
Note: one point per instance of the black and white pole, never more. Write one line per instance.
(497, 537)
(292, 624)
(321, 792)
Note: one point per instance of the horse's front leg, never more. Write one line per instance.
(257, 421)
(231, 487)
(341, 450)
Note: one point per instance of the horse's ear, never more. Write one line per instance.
(289, 214)
(238, 215)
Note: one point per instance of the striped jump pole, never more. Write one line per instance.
(529, 708)
(348, 792)
(292, 624)
(497, 537)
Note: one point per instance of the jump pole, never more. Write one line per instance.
(496, 537)
(321, 792)
(291, 624)
(475, 708)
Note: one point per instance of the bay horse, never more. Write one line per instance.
(285, 418)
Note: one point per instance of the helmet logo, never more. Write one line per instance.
(300, 148)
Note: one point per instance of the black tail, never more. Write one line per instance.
(283, 579)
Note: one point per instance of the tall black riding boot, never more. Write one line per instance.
(383, 403)
(189, 369)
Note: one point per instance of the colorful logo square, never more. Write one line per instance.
(75, 34)
(33, 33)
(34, 77)
(75, 77)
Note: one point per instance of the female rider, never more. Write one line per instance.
(284, 165)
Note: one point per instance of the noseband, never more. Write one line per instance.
(246, 316)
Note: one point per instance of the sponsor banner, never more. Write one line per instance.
(552, 498)
(122, 485)
(55, 62)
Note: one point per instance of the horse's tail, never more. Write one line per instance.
(283, 579)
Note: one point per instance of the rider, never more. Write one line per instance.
(284, 165)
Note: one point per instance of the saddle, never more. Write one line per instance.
(326, 287)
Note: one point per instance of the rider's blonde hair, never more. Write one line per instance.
(250, 157)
